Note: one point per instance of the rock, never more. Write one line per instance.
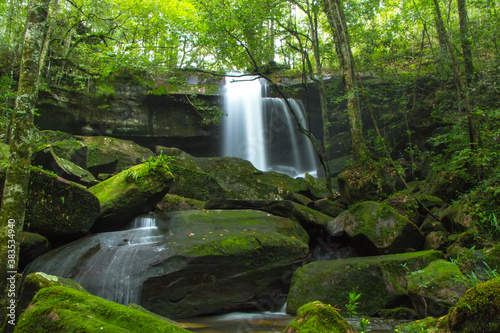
(405, 205)
(61, 309)
(447, 185)
(299, 198)
(379, 280)
(241, 180)
(307, 217)
(57, 208)
(457, 218)
(97, 154)
(377, 229)
(337, 165)
(318, 317)
(132, 192)
(328, 207)
(256, 250)
(477, 311)
(359, 183)
(316, 187)
(35, 282)
(172, 202)
(436, 240)
(47, 159)
(435, 288)
(196, 262)
(32, 246)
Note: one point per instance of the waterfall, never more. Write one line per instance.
(106, 264)
(263, 129)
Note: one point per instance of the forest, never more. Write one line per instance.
(419, 97)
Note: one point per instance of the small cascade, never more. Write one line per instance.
(106, 264)
(263, 130)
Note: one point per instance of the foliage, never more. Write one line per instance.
(155, 165)
(353, 303)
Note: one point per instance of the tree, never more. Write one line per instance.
(18, 171)
(336, 18)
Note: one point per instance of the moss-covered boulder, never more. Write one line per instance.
(435, 288)
(365, 182)
(328, 207)
(307, 217)
(57, 208)
(436, 240)
(380, 281)
(194, 262)
(316, 317)
(61, 309)
(97, 154)
(316, 186)
(377, 229)
(35, 282)
(241, 180)
(32, 246)
(447, 185)
(66, 169)
(132, 192)
(457, 218)
(171, 203)
(477, 311)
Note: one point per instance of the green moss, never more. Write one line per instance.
(60, 309)
(440, 274)
(418, 326)
(317, 317)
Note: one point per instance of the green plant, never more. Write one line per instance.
(364, 325)
(353, 304)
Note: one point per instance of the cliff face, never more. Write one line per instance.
(133, 112)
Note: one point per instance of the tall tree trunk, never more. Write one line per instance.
(465, 39)
(17, 174)
(336, 18)
(50, 32)
(474, 137)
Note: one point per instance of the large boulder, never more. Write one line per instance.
(132, 192)
(97, 154)
(477, 311)
(57, 208)
(307, 217)
(61, 309)
(380, 281)
(377, 229)
(437, 287)
(241, 180)
(318, 317)
(194, 262)
(32, 246)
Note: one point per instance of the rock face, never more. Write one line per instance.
(318, 317)
(377, 229)
(61, 309)
(194, 262)
(32, 245)
(379, 280)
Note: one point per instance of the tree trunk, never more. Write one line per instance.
(465, 39)
(474, 137)
(17, 174)
(336, 18)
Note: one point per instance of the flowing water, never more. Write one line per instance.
(263, 130)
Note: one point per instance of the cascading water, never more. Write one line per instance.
(106, 264)
(263, 130)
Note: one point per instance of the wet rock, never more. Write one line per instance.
(318, 317)
(32, 246)
(380, 281)
(171, 203)
(328, 207)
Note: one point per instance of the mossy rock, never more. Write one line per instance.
(328, 207)
(32, 246)
(362, 183)
(447, 185)
(477, 311)
(456, 218)
(417, 326)
(435, 288)
(316, 186)
(171, 202)
(405, 205)
(57, 208)
(316, 317)
(130, 193)
(241, 180)
(377, 229)
(379, 280)
(35, 282)
(307, 217)
(61, 309)
(436, 240)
